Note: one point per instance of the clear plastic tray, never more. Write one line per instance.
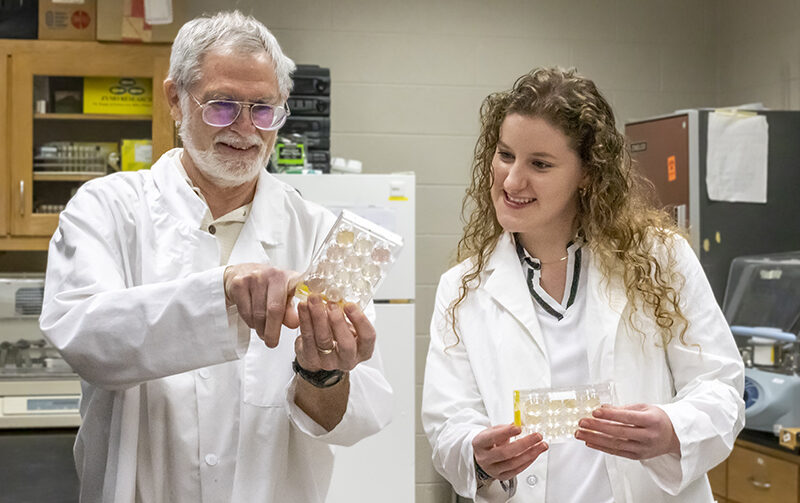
(352, 262)
(555, 412)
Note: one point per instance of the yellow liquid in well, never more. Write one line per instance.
(345, 238)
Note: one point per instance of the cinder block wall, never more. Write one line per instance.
(758, 57)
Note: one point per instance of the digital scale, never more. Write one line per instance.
(40, 403)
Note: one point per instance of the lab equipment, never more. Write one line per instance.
(89, 158)
(310, 103)
(555, 412)
(762, 305)
(353, 260)
(289, 154)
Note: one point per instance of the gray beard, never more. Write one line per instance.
(222, 171)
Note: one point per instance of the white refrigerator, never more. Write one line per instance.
(381, 467)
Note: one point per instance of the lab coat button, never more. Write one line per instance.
(204, 373)
(211, 459)
(531, 480)
(212, 229)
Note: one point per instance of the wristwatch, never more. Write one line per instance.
(482, 475)
(319, 379)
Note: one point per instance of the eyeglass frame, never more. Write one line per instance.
(242, 104)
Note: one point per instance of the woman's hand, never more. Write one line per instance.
(501, 458)
(634, 431)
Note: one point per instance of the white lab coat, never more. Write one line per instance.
(469, 385)
(134, 293)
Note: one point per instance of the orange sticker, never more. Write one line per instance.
(671, 175)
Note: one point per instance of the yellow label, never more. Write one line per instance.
(136, 154)
(118, 95)
(517, 414)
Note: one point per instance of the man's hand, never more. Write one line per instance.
(635, 431)
(263, 295)
(502, 459)
(332, 337)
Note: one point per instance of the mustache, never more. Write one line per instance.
(238, 140)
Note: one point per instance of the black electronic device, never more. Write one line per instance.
(312, 80)
(317, 141)
(310, 105)
(319, 156)
(307, 125)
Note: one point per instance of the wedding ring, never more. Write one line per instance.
(328, 350)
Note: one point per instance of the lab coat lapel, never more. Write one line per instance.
(180, 210)
(506, 284)
(264, 231)
(606, 300)
(174, 194)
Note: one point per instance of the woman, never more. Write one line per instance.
(568, 277)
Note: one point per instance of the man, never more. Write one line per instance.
(201, 381)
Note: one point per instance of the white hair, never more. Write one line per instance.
(227, 31)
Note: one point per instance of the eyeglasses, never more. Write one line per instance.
(222, 113)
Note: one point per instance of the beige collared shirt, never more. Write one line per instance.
(226, 228)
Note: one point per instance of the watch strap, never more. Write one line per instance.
(320, 378)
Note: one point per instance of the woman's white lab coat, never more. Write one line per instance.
(469, 384)
(134, 293)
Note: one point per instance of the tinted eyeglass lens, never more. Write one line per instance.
(220, 113)
(264, 116)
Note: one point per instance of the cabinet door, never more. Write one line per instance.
(756, 477)
(718, 480)
(36, 197)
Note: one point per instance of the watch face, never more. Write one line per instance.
(333, 379)
(320, 378)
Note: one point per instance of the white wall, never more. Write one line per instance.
(409, 77)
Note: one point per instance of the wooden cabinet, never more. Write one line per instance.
(757, 474)
(25, 222)
(717, 476)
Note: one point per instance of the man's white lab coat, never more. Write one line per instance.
(134, 300)
(469, 385)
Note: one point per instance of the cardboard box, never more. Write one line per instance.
(136, 154)
(67, 19)
(123, 20)
(118, 95)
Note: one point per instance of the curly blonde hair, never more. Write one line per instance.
(615, 214)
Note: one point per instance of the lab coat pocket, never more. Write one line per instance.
(267, 371)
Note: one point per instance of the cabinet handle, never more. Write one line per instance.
(760, 485)
(22, 198)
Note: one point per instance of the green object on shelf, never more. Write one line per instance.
(289, 154)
